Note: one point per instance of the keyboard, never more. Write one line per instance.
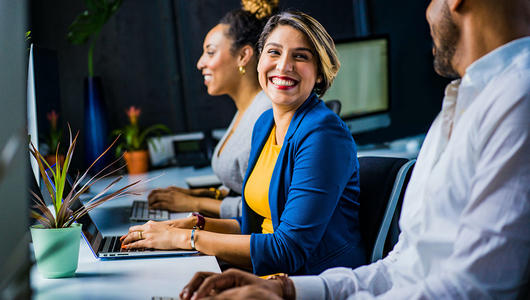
(111, 244)
(140, 212)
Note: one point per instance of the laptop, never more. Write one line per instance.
(140, 212)
(204, 181)
(109, 247)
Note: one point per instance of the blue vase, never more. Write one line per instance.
(95, 129)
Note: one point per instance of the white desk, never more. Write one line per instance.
(126, 278)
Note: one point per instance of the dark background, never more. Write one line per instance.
(146, 56)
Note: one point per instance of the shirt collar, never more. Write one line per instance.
(480, 72)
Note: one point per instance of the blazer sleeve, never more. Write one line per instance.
(324, 162)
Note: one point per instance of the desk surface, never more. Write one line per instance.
(126, 278)
(112, 217)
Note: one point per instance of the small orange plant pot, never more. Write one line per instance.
(137, 161)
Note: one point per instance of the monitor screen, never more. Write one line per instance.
(362, 84)
(32, 115)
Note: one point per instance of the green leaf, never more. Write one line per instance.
(64, 216)
(156, 129)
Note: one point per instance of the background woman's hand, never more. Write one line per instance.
(173, 199)
(205, 284)
(156, 235)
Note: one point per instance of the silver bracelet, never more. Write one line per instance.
(192, 239)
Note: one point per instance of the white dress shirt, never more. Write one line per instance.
(466, 213)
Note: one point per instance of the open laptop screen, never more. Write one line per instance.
(90, 231)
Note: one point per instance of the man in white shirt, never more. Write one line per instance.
(465, 219)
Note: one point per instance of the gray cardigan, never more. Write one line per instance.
(231, 165)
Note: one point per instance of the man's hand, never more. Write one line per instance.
(207, 284)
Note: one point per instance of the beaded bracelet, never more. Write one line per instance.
(217, 192)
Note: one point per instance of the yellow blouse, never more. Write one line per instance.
(257, 186)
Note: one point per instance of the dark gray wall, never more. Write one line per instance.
(147, 56)
(134, 55)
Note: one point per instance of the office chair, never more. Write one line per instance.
(383, 181)
(334, 105)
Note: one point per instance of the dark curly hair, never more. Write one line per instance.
(245, 27)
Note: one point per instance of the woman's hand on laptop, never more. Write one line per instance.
(173, 199)
(156, 235)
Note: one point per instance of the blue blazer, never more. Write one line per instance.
(313, 196)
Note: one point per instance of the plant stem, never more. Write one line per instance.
(90, 56)
(91, 53)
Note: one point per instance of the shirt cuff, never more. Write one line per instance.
(309, 287)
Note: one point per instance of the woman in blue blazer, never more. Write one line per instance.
(313, 195)
(301, 189)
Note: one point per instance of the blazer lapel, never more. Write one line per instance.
(311, 101)
(277, 188)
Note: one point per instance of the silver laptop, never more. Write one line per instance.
(140, 212)
(109, 247)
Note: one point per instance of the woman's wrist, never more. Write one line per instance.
(191, 221)
(194, 203)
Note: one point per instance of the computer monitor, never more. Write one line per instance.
(362, 84)
(32, 115)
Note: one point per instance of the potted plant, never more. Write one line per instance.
(52, 139)
(56, 239)
(86, 28)
(134, 145)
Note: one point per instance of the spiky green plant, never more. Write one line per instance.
(64, 216)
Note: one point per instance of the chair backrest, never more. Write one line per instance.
(394, 230)
(382, 184)
(334, 105)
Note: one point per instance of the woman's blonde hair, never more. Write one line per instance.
(328, 63)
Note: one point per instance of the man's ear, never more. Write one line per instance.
(455, 5)
(244, 55)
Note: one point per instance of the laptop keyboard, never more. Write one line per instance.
(113, 244)
(141, 211)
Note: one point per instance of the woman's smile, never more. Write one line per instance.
(283, 82)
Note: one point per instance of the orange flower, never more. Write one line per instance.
(133, 114)
(53, 116)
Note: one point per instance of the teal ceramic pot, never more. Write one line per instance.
(56, 250)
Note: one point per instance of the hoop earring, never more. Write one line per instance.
(242, 70)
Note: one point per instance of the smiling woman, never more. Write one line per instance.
(301, 188)
(302, 185)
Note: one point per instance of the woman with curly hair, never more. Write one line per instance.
(228, 65)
